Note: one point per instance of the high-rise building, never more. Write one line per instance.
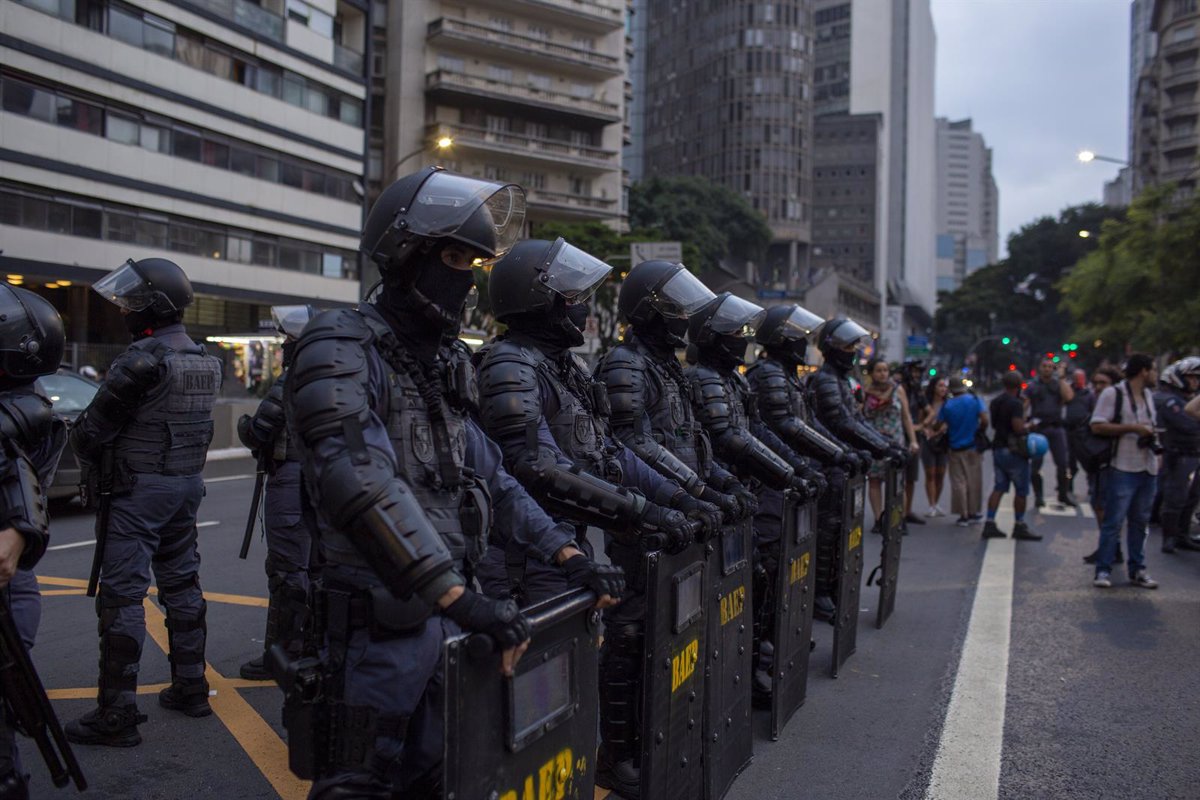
(874, 60)
(633, 154)
(1141, 51)
(528, 91)
(728, 98)
(1167, 133)
(967, 203)
(1118, 191)
(226, 135)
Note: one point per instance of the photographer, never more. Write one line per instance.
(1126, 413)
(1048, 395)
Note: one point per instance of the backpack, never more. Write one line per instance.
(1094, 452)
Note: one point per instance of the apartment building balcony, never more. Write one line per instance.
(1181, 143)
(1179, 110)
(472, 37)
(1188, 76)
(520, 145)
(1175, 49)
(500, 95)
(1187, 173)
(347, 58)
(583, 14)
(248, 15)
(570, 206)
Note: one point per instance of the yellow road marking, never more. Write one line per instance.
(215, 597)
(62, 592)
(88, 692)
(257, 738)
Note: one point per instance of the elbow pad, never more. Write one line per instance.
(268, 421)
(134, 373)
(752, 457)
(811, 443)
(664, 462)
(23, 504)
(577, 495)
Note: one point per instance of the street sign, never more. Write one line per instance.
(772, 294)
(917, 341)
(655, 251)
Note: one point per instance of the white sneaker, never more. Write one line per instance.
(935, 512)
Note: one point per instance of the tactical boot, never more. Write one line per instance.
(824, 609)
(760, 682)
(255, 669)
(622, 777)
(14, 786)
(1169, 536)
(112, 726)
(1187, 543)
(189, 696)
(1021, 531)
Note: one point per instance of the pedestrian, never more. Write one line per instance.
(1126, 413)
(912, 374)
(964, 416)
(1181, 457)
(1097, 480)
(1010, 464)
(885, 406)
(289, 540)
(1048, 396)
(152, 420)
(935, 449)
(31, 441)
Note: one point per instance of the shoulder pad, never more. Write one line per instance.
(509, 394)
(506, 350)
(26, 417)
(622, 356)
(703, 375)
(337, 323)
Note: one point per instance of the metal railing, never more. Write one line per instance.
(248, 15)
(518, 143)
(347, 59)
(488, 34)
(587, 7)
(514, 91)
(565, 200)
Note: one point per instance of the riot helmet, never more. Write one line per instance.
(657, 298)
(541, 286)
(1176, 374)
(785, 331)
(290, 320)
(839, 340)
(720, 329)
(31, 335)
(152, 292)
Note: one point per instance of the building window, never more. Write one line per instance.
(542, 82)
(539, 32)
(451, 63)
(496, 72)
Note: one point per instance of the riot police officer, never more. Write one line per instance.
(31, 441)
(834, 407)
(150, 423)
(540, 403)
(289, 541)
(1181, 453)
(378, 401)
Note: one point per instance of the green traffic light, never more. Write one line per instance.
(1006, 340)
(1066, 347)
(932, 372)
(1056, 359)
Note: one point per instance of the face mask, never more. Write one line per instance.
(577, 315)
(841, 359)
(289, 350)
(440, 293)
(140, 323)
(726, 352)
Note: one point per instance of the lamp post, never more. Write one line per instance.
(1087, 157)
(442, 143)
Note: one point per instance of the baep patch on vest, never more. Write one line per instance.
(172, 428)
(572, 424)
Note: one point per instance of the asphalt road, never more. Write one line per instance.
(1090, 697)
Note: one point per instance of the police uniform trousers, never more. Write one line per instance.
(26, 603)
(151, 528)
(768, 529)
(1180, 493)
(289, 547)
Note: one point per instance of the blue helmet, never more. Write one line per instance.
(1037, 445)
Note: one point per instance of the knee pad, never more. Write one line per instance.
(108, 607)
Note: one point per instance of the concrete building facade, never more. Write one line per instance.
(1167, 130)
(967, 204)
(225, 135)
(728, 98)
(529, 91)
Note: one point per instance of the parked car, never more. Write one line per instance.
(70, 394)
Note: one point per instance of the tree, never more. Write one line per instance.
(1141, 288)
(714, 222)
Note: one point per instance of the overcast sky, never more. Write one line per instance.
(1042, 79)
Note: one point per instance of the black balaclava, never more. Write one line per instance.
(289, 350)
(789, 352)
(724, 352)
(425, 312)
(661, 334)
(841, 360)
(553, 332)
(143, 323)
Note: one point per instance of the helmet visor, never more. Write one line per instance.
(737, 316)
(573, 273)
(290, 320)
(848, 334)
(681, 295)
(126, 288)
(799, 324)
(446, 202)
(1190, 366)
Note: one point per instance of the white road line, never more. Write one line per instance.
(968, 757)
(88, 543)
(224, 478)
(208, 524)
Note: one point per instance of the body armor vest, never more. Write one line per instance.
(172, 428)
(672, 419)
(738, 392)
(573, 421)
(1178, 438)
(27, 418)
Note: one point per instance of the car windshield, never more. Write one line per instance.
(69, 394)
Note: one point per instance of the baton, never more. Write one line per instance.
(259, 477)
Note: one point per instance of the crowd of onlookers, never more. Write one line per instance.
(1133, 433)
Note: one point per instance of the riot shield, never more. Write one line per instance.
(792, 634)
(673, 678)
(849, 572)
(889, 559)
(534, 734)
(728, 736)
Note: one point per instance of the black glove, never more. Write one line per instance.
(730, 508)
(245, 432)
(865, 460)
(707, 514)
(898, 455)
(603, 579)
(669, 528)
(804, 490)
(747, 499)
(500, 619)
(817, 480)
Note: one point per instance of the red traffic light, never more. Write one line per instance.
(1012, 367)
(1071, 354)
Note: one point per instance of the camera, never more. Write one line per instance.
(1152, 443)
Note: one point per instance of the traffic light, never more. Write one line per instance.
(932, 371)
(1072, 354)
(1070, 347)
(1006, 340)
(1056, 359)
(1012, 367)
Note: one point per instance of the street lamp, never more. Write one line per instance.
(442, 143)
(1085, 234)
(1087, 157)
